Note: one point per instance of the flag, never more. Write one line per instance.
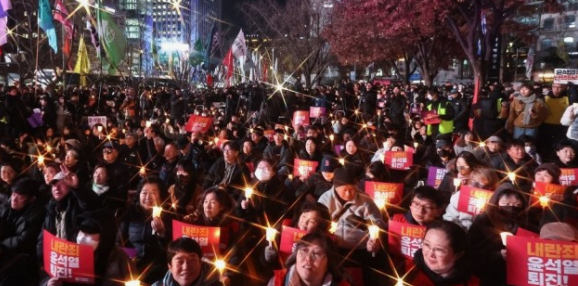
(5, 5)
(91, 26)
(530, 63)
(147, 44)
(228, 63)
(211, 45)
(112, 39)
(82, 62)
(45, 22)
(3, 30)
(61, 15)
(240, 52)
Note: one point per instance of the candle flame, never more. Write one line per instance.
(373, 231)
(504, 236)
(482, 144)
(148, 124)
(40, 160)
(331, 137)
(248, 192)
(157, 211)
(333, 227)
(132, 283)
(512, 176)
(380, 203)
(457, 182)
(544, 201)
(270, 234)
(342, 161)
(220, 265)
(142, 170)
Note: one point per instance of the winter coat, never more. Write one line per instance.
(452, 214)
(282, 155)
(273, 202)
(348, 235)
(516, 116)
(238, 180)
(21, 228)
(524, 169)
(315, 185)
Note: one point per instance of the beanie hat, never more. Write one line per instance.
(559, 231)
(341, 177)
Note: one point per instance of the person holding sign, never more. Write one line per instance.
(146, 231)
(505, 212)
(314, 262)
(311, 152)
(312, 187)
(459, 174)
(443, 258)
(186, 266)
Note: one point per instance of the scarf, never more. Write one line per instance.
(99, 189)
(292, 278)
(528, 104)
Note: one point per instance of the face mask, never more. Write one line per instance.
(83, 239)
(450, 98)
(444, 153)
(262, 174)
(510, 211)
(528, 149)
(182, 174)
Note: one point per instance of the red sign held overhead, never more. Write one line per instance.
(69, 261)
(304, 168)
(300, 118)
(207, 237)
(569, 177)
(399, 160)
(473, 200)
(316, 112)
(289, 236)
(198, 123)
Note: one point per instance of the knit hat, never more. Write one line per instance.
(495, 138)
(328, 164)
(341, 178)
(110, 145)
(551, 168)
(559, 231)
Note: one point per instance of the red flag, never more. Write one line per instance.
(228, 63)
(265, 69)
(61, 15)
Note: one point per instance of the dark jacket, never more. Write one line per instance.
(239, 178)
(524, 169)
(283, 155)
(273, 202)
(422, 275)
(21, 228)
(208, 276)
(315, 185)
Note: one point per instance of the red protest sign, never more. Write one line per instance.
(569, 177)
(303, 167)
(473, 200)
(388, 192)
(300, 118)
(553, 191)
(207, 237)
(532, 261)
(430, 117)
(198, 123)
(315, 112)
(399, 160)
(526, 233)
(289, 236)
(69, 261)
(404, 238)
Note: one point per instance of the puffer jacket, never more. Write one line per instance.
(452, 214)
(348, 235)
(21, 228)
(207, 277)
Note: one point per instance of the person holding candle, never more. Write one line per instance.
(353, 211)
(516, 161)
(444, 258)
(146, 231)
(489, 149)
(186, 266)
(505, 212)
(315, 261)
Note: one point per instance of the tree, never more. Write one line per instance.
(410, 29)
(295, 30)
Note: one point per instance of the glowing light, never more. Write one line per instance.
(168, 120)
(270, 235)
(148, 124)
(482, 144)
(399, 282)
(457, 182)
(157, 211)
(415, 145)
(123, 131)
(380, 203)
(248, 192)
(373, 231)
(279, 87)
(504, 236)
(108, 137)
(286, 128)
(285, 137)
(132, 283)
(220, 265)
(544, 201)
(364, 125)
(142, 171)
(48, 148)
(331, 137)
(40, 160)
(512, 177)
(333, 227)
(290, 177)
(174, 206)
(250, 130)
(83, 3)
(216, 140)
(481, 204)
(356, 112)
(99, 128)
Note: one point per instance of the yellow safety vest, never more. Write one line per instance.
(445, 126)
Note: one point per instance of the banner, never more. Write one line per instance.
(435, 176)
(316, 112)
(300, 118)
(304, 166)
(552, 191)
(208, 237)
(430, 117)
(112, 38)
(569, 177)
(198, 123)
(69, 261)
(563, 76)
(533, 261)
(473, 200)
(289, 236)
(390, 193)
(404, 238)
(96, 119)
(399, 160)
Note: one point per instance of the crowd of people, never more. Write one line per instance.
(98, 183)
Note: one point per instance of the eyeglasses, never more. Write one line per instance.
(107, 151)
(462, 167)
(315, 256)
(418, 206)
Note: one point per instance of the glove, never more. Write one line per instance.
(270, 254)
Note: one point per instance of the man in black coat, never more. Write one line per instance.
(368, 102)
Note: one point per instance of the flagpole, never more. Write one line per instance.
(37, 53)
(63, 36)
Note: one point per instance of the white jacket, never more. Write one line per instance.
(452, 214)
(569, 119)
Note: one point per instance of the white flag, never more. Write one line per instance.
(530, 63)
(240, 47)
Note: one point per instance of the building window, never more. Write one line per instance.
(548, 23)
(545, 43)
